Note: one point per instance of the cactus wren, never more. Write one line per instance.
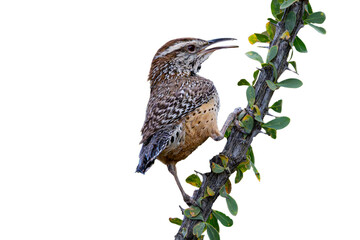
(183, 106)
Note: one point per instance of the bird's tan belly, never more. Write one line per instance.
(194, 130)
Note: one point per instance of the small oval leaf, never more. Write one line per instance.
(243, 82)
(272, 53)
(198, 229)
(317, 28)
(290, 21)
(316, 17)
(194, 180)
(271, 132)
(248, 123)
(216, 168)
(232, 205)
(262, 38)
(213, 221)
(290, 83)
(225, 220)
(239, 175)
(176, 221)
(210, 191)
(270, 29)
(277, 106)
(277, 123)
(228, 186)
(212, 233)
(250, 95)
(300, 45)
(271, 85)
(287, 4)
(255, 56)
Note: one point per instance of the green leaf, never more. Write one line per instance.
(299, 45)
(262, 38)
(285, 35)
(277, 123)
(287, 4)
(274, 70)
(272, 21)
(176, 221)
(194, 211)
(250, 154)
(257, 174)
(316, 17)
(223, 192)
(290, 21)
(243, 82)
(255, 56)
(239, 175)
(244, 166)
(248, 123)
(213, 221)
(272, 53)
(257, 114)
(232, 205)
(241, 115)
(211, 232)
(210, 191)
(271, 85)
(224, 160)
(252, 39)
(290, 83)
(216, 168)
(270, 29)
(225, 220)
(277, 106)
(199, 229)
(250, 95)
(257, 110)
(228, 186)
(227, 132)
(258, 118)
(293, 63)
(198, 217)
(257, 37)
(317, 28)
(275, 8)
(255, 75)
(271, 132)
(194, 180)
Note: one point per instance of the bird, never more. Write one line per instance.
(183, 106)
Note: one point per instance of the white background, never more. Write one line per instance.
(73, 93)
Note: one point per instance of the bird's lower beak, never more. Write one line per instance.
(213, 41)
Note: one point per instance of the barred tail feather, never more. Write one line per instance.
(151, 149)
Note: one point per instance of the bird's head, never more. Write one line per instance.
(182, 57)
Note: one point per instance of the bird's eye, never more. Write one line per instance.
(191, 48)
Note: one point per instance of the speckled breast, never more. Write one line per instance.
(192, 131)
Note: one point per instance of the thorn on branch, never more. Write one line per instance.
(291, 70)
(182, 210)
(269, 114)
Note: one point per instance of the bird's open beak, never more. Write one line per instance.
(213, 41)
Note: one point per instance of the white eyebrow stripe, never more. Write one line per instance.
(175, 47)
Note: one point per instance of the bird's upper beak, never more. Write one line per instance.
(207, 50)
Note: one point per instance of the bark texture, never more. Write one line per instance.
(237, 146)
